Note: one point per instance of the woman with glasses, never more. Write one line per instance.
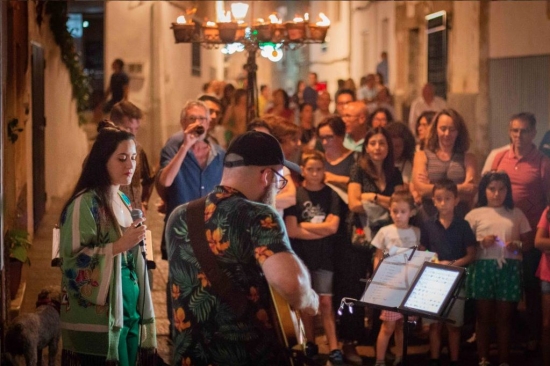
(338, 159)
(495, 278)
(445, 156)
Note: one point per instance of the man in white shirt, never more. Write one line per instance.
(428, 101)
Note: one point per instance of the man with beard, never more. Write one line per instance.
(251, 247)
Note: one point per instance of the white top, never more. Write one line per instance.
(406, 170)
(491, 157)
(390, 236)
(419, 105)
(365, 92)
(506, 224)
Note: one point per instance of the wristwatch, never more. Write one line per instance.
(376, 197)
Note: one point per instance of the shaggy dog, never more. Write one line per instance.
(29, 333)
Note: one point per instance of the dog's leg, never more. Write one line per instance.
(52, 350)
(31, 356)
(38, 357)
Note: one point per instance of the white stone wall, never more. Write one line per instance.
(166, 82)
(66, 143)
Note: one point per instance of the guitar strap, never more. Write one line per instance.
(220, 282)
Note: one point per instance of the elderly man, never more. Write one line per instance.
(191, 166)
(529, 172)
(355, 118)
(428, 101)
(248, 244)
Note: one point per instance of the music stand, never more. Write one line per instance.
(430, 294)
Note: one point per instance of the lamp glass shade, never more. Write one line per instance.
(239, 10)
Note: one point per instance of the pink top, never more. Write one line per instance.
(530, 177)
(543, 272)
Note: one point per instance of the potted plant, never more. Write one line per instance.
(18, 244)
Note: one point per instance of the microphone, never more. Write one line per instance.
(137, 214)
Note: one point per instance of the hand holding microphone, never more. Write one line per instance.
(137, 215)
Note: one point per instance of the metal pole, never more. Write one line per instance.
(251, 86)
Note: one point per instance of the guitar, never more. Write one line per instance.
(289, 326)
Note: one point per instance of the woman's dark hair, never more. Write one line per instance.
(389, 116)
(95, 176)
(429, 115)
(365, 162)
(238, 94)
(286, 98)
(335, 123)
(462, 142)
(402, 131)
(493, 176)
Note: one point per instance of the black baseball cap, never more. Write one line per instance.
(258, 149)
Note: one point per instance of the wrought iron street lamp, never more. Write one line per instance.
(270, 37)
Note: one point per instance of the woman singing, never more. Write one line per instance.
(107, 314)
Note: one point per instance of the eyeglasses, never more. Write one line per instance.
(326, 137)
(192, 119)
(281, 181)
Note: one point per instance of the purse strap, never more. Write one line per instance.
(220, 282)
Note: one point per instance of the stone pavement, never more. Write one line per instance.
(40, 274)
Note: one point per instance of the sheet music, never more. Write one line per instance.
(431, 290)
(394, 276)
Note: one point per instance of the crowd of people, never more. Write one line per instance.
(306, 201)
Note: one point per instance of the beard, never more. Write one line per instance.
(268, 197)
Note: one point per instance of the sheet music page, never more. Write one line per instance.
(431, 290)
(394, 276)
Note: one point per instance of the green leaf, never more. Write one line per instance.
(201, 304)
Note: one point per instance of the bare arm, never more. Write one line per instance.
(296, 231)
(286, 197)
(125, 90)
(354, 198)
(420, 181)
(542, 240)
(464, 261)
(338, 180)
(326, 228)
(378, 257)
(468, 188)
(170, 171)
(290, 278)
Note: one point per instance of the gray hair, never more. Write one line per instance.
(193, 103)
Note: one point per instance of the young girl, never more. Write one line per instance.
(399, 234)
(542, 243)
(495, 277)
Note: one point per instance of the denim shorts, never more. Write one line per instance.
(322, 281)
(544, 287)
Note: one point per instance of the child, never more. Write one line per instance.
(452, 239)
(311, 225)
(398, 234)
(495, 277)
(542, 243)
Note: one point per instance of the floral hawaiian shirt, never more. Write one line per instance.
(242, 234)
